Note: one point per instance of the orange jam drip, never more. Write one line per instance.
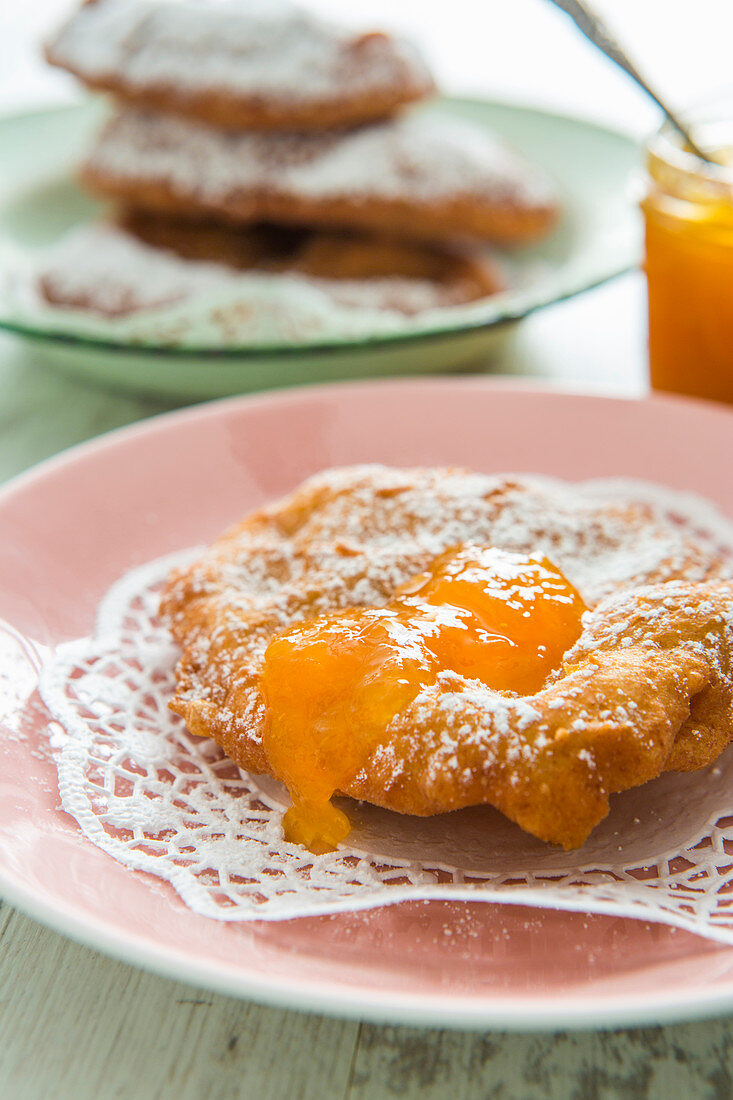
(333, 685)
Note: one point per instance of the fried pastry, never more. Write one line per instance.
(148, 262)
(257, 64)
(424, 175)
(340, 257)
(427, 640)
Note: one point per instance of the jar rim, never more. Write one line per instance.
(713, 130)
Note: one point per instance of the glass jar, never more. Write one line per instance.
(688, 209)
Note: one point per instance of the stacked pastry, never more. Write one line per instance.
(256, 135)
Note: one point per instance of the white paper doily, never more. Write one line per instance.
(159, 800)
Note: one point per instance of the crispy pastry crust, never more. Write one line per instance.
(647, 688)
(312, 74)
(147, 261)
(231, 112)
(504, 222)
(464, 274)
(425, 177)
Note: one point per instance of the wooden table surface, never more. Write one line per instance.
(76, 1025)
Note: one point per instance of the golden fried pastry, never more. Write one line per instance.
(423, 176)
(257, 64)
(150, 262)
(428, 640)
(103, 270)
(464, 275)
(244, 248)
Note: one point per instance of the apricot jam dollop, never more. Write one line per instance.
(333, 685)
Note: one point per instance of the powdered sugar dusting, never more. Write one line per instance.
(368, 530)
(263, 48)
(419, 157)
(102, 269)
(351, 537)
(377, 527)
(98, 279)
(107, 270)
(159, 800)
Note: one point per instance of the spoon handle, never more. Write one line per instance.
(596, 31)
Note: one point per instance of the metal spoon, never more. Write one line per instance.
(596, 31)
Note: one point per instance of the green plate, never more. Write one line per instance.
(599, 237)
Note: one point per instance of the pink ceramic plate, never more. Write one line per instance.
(72, 526)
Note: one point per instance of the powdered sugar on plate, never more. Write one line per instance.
(160, 800)
(110, 286)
